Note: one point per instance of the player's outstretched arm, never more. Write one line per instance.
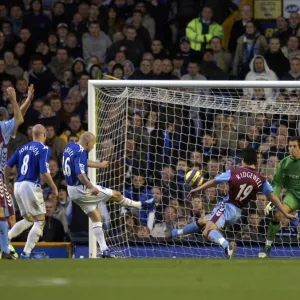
(24, 107)
(50, 182)
(202, 187)
(11, 94)
(275, 200)
(98, 164)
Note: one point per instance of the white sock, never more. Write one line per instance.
(18, 228)
(269, 243)
(99, 234)
(131, 203)
(34, 235)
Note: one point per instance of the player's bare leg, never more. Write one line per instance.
(212, 233)
(96, 219)
(273, 228)
(194, 227)
(123, 201)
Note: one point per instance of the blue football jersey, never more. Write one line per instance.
(32, 160)
(74, 163)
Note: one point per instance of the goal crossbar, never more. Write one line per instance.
(195, 84)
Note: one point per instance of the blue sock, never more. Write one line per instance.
(4, 243)
(218, 238)
(188, 229)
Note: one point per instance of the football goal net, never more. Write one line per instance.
(154, 132)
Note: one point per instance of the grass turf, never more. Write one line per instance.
(153, 279)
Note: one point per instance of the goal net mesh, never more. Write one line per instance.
(154, 136)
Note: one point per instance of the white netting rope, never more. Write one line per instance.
(117, 110)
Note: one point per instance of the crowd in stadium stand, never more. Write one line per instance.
(59, 45)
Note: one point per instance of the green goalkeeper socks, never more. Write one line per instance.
(272, 230)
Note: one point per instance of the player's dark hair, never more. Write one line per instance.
(295, 139)
(249, 156)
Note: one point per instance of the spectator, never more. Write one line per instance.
(130, 44)
(225, 138)
(193, 72)
(178, 63)
(181, 170)
(239, 27)
(259, 70)
(53, 230)
(62, 33)
(209, 68)
(12, 66)
(158, 50)
(207, 147)
(56, 144)
(118, 71)
(95, 43)
(16, 18)
(36, 21)
(201, 30)
(147, 21)
(221, 57)
(40, 77)
(74, 128)
(72, 46)
(294, 72)
(60, 63)
(294, 21)
(167, 70)
(161, 229)
(283, 31)
(275, 59)
(21, 55)
(249, 45)
(291, 50)
(58, 16)
(3, 75)
(81, 87)
(145, 71)
(55, 173)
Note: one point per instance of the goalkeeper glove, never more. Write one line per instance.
(268, 208)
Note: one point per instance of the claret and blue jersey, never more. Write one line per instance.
(32, 160)
(244, 184)
(74, 163)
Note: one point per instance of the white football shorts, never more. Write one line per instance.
(29, 197)
(83, 198)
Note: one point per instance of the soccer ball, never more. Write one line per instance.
(193, 178)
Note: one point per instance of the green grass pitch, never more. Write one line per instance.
(155, 279)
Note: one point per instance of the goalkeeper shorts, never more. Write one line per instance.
(292, 201)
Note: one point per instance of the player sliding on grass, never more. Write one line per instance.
(32, 160)
(87, 195)
(287, 176)
(244, 184)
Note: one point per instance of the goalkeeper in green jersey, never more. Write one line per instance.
(287, 176)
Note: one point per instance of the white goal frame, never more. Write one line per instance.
(205, 84)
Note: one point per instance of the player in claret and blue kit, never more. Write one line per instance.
(244, 184)
(87, 195)
(32, 161)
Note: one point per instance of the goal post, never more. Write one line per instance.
(154, 131)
